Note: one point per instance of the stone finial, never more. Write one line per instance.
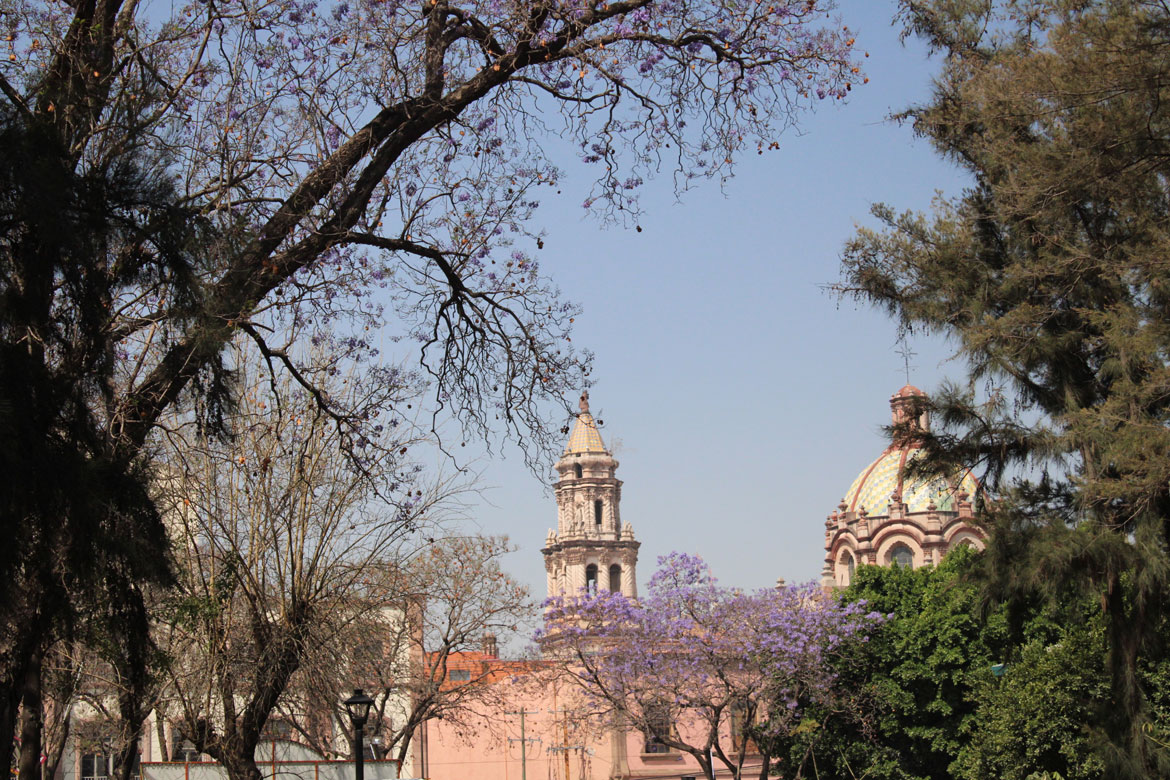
(781, 583)
(627, 531)
(584, 402)
(551, 538)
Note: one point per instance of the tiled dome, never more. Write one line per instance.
(585, 436)
(878, 481)
(901, 529)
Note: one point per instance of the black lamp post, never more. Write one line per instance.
(358, 707)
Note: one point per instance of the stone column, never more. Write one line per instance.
(629, 579)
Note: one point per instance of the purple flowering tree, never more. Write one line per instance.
(342, 149)
(697, 667)
(325, 171)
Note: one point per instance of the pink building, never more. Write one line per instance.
(545, 732)
(542, 730)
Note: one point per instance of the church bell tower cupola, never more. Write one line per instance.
(591, 549)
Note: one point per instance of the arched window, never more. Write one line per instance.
(597, 511)
(591, 578)
(577, 470)
(846, 565)
(615, 578)
(901, 555)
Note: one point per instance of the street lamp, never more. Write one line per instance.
(358, 707)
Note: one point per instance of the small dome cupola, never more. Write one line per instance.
(585, 437)
(909, 415)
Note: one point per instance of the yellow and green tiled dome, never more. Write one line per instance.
(885, 476)
(874, 486)
(585, 436)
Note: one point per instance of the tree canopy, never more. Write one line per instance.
(696, 666)
(1048, 274)
(951, 688)
(297, 171)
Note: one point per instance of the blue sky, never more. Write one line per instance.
(741, 398)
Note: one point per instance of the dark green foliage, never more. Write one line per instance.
(1033, 718)
(920, 700)
(1049, 274)
(82, 534)
(905, 694)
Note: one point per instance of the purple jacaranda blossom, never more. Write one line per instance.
(694, 651)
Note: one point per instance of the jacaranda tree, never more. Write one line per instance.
(701, 668)
(334, 167)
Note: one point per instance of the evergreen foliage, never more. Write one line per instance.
(82, 535)
(1049, 275)
(920, 700)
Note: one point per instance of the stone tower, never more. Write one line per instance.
(591, 549)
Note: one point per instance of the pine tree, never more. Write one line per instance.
(1050, 275)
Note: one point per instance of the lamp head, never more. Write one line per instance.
(358, 707)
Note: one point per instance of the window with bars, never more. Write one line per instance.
(901, 555)
(658, 728)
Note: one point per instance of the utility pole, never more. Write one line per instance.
(564, 748)
(523, 741)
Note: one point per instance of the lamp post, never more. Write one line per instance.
(358, 707)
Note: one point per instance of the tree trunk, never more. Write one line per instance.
(160, 731)
(55, 750)
(240, 762)
(128, 753)
(22, 616)
(1128, 699)
(31, 714)
(9, 704)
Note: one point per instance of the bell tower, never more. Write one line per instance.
(591, 549)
